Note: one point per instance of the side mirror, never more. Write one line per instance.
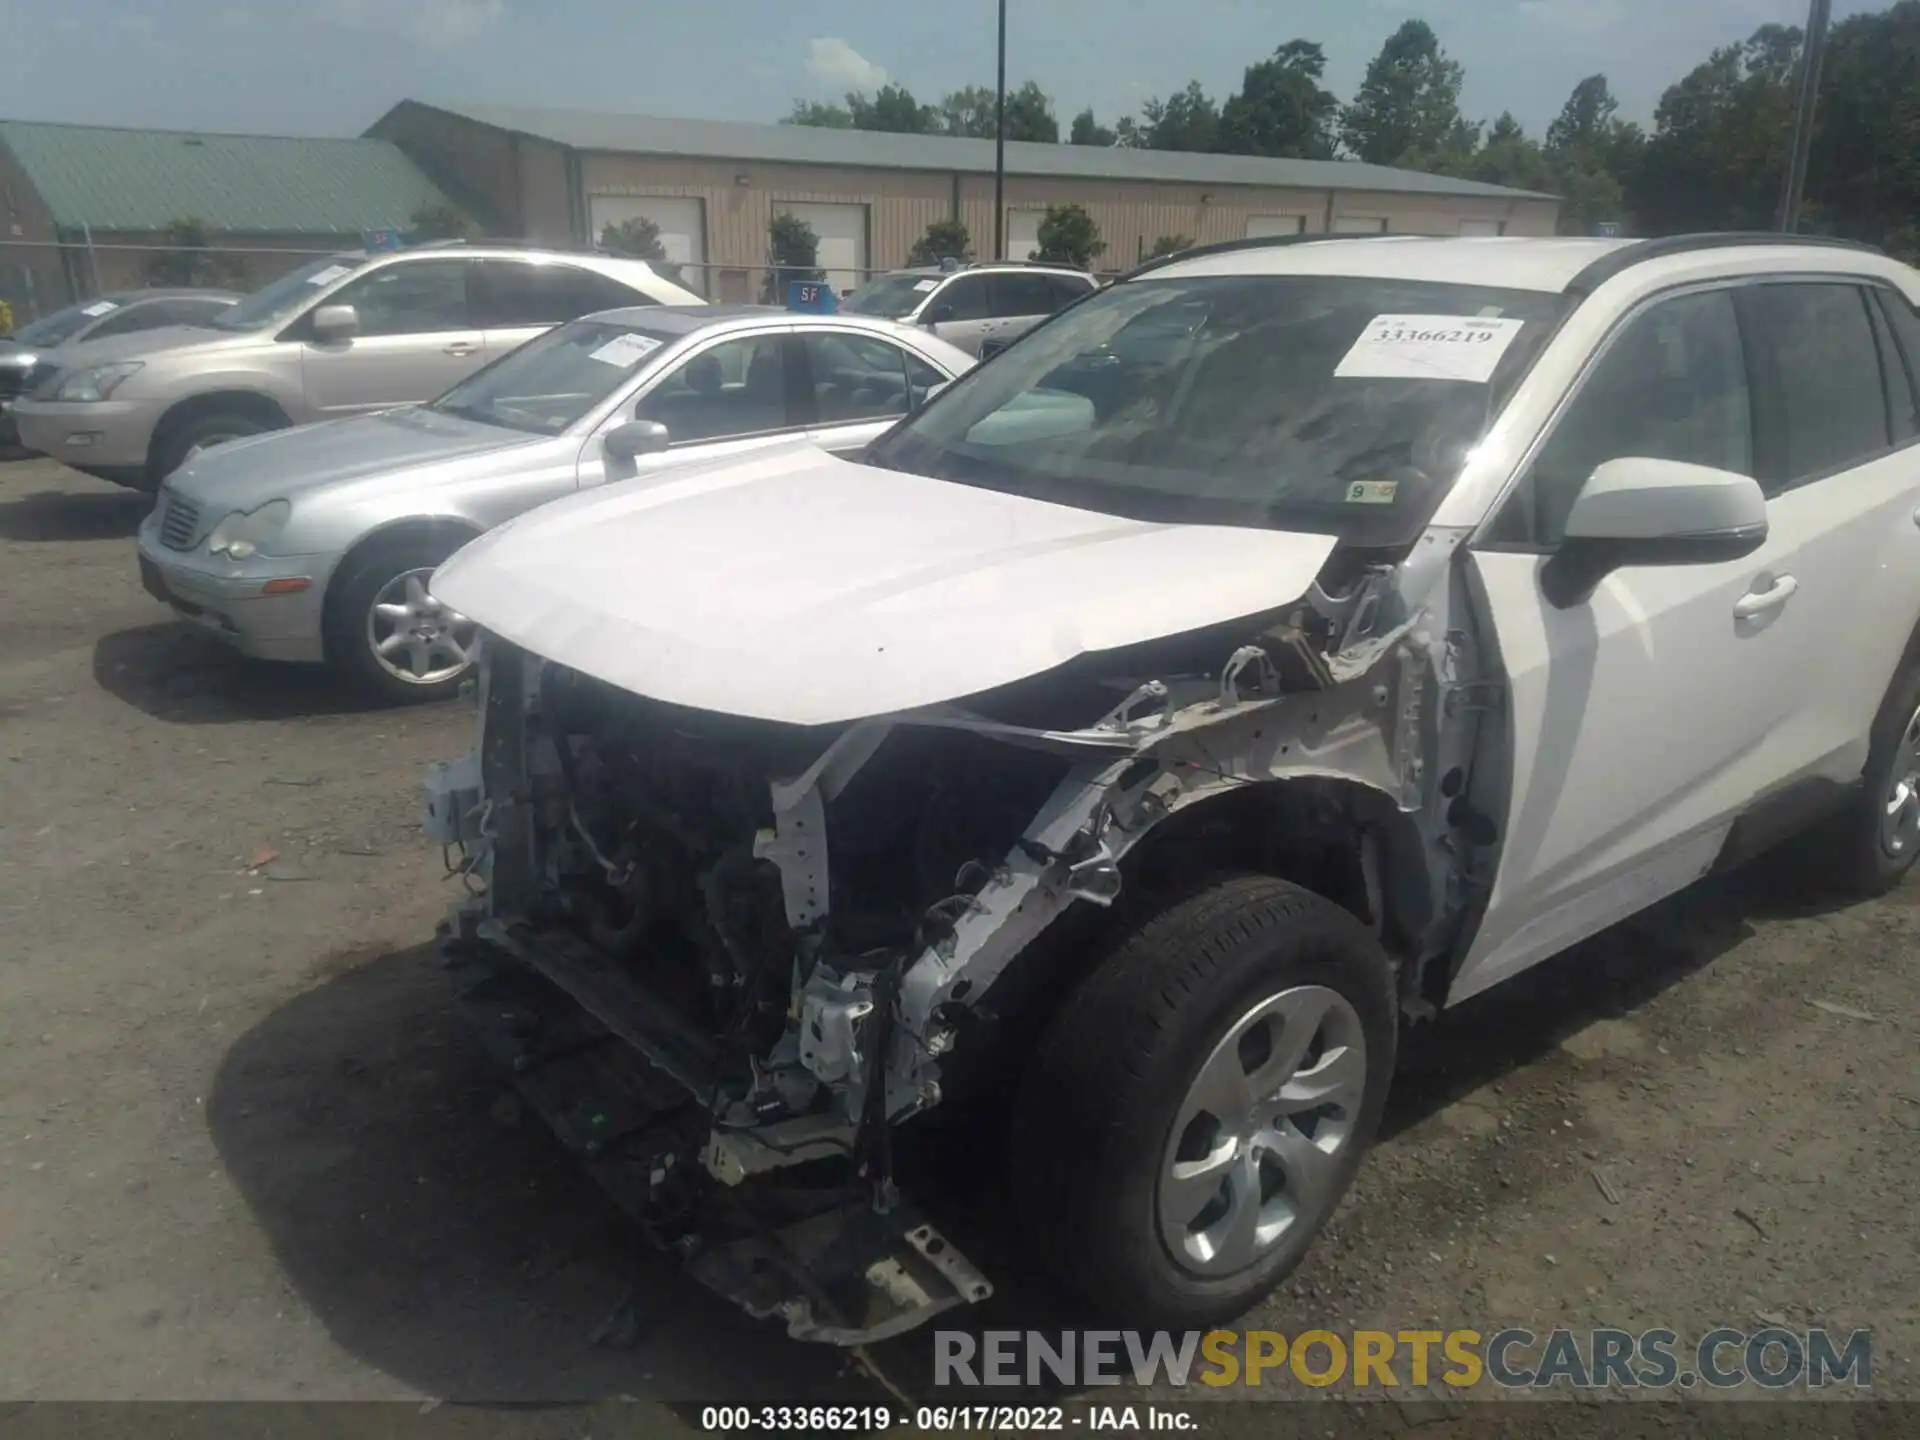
(336, 322)
(635, 439)
(937, 313)
(1639, 511)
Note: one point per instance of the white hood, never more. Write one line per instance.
(792, 586)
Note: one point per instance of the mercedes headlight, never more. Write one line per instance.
(96, 382)
(245, 531)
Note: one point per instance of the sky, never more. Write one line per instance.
(332, 67)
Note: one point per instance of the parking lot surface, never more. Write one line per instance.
(246, 1151)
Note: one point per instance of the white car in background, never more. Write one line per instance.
(1283, 643)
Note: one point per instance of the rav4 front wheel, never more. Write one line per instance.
(1870, 847)
(1202, 1102)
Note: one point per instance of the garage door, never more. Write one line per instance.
(1260, 226)
(842, 230)
(1023, 233)
(1360, 225)
(1483, 227)
(683, 235)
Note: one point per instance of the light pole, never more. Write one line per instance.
(1813, 53)
(1000, 145)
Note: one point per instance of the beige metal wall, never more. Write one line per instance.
(740, 199)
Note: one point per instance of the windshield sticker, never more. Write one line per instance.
(99, 307)
(1429, 347)
(926, 286)
(1372, 492)
(327, 276)
(625, 351)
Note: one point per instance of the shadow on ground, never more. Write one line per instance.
(462, 1255)
(177, 675)
(467, 1256)
(61, 515)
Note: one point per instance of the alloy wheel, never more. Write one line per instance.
(415, 638)
(1900, 805)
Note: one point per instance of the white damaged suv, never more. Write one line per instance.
(1287, 641)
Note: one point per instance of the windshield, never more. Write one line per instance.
(552, 381)
(890, 296)
(62, 325)
(285, 295)
(1297, 402)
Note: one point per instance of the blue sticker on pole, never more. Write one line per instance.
(378, 241)
(812, 297)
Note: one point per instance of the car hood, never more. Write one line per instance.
(793, 586)
(286, 463)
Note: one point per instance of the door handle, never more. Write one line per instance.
(1769, 593)
(1916, 517)
(461, 347)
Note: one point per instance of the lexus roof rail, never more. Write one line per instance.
(1640, 251)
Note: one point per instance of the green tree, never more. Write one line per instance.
(1720, 140)
(1068, 236)
(1170, 245)
(1185, 120)
(819, 114)
(971, 111)
(438, 222)
(944, 240)
(1281, 108)
(1030, 115)
(1508, 157)
(187, 258)
(1407, 109)
(1087, 130)
(892, 109)
(1592, 153)
(639, 239)
(1864, 173)
(793, 253)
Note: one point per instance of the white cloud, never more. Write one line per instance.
(835, 65)
(438, 24)
(1586, 17)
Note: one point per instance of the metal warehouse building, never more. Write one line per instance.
(713, 186)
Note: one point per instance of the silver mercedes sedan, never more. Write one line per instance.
(315, 544)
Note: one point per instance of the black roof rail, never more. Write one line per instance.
(1640, 251)
(1252, 242)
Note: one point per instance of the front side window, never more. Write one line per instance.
(968, 298)
(290, 293)
(738, 387)
(1336, 404)
(418, 297)
(1672, 385)
(1827, 409)
(554, 379)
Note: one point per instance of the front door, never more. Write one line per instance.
(1646, 718)
(417, 339)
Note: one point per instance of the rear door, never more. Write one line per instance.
(417, 339)
(860, 384)
(1022, 302)
(515, 300)
(726, 397)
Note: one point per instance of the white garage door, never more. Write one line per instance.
(1360, 225)
(1483, 227)
(1260, 226)
(682, 234)
(1023, 233)
(842, 231)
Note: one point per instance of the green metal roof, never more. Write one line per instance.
(114, 179)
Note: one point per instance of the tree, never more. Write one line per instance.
(1068, 236)
(971, 112)
(438, 222)
(1030, 115)
(187, 259)
(822, 116)
(892, 109)
(639, 239)
(1592, 153)
(944, 240)
(1089, 131)
(1586, 120)
(793, 253)
(1407, 109)
(1720, 140)
(1508, 157)
(1864, 174)
(1170, 245)
(1185, 120)
(1281, 108)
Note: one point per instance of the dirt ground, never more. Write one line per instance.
(246, 1152)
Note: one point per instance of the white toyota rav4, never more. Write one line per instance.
(1271, 648)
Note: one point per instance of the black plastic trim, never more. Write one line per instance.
(1641, 251)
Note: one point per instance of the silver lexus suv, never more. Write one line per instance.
(981, 308)
(345, 335)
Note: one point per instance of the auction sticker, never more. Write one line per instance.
(625, 350)
(1429, 347)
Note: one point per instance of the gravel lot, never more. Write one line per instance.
(245, 1152)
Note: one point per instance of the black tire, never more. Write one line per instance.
(172, 446)
(1093, 1122)
(1849, 854)
(350, 600)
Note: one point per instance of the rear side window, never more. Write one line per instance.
(1065, 291)
(1898, 326)
(1024, 295)
(1825, 398)
(518, 293)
